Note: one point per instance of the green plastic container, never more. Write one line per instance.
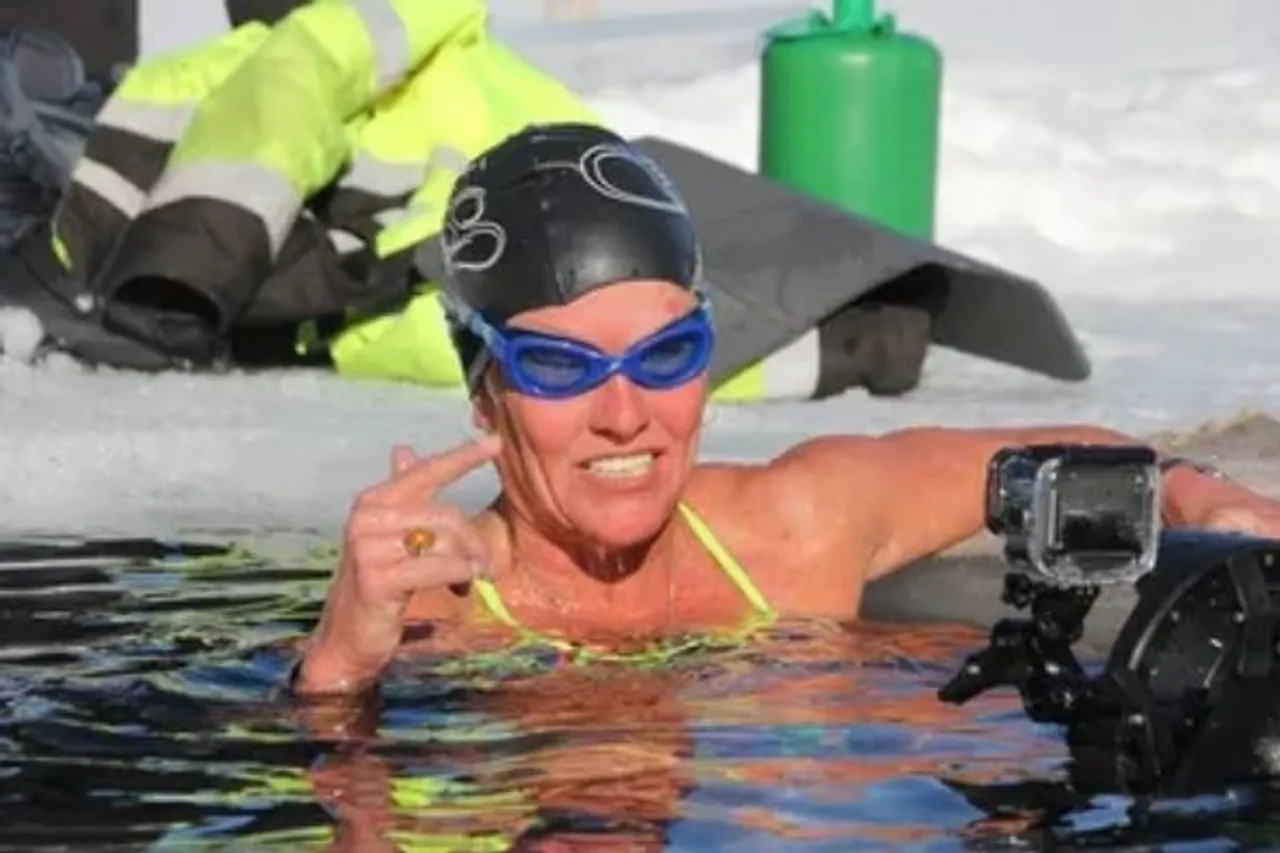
(849, 114)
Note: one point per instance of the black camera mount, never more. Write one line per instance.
(1186, 699)
(1034, 655)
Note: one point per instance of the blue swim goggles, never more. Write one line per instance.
(553, 367)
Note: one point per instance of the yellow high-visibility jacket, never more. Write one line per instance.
(277, 172)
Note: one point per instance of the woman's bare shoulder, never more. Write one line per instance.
(798, 547)
(766, 511)
(788, 494)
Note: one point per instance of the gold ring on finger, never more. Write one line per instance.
(419, 540)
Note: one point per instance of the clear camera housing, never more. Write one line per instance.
(1077, 514)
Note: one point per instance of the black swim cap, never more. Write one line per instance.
(552, 213)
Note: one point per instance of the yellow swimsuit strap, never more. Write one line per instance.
(726, 561)
(732, 569)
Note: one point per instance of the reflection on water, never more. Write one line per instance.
(139, 708)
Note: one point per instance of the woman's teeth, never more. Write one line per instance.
(634, 465)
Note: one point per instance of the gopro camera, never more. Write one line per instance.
(1076, 515)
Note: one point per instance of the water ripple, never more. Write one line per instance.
(140, 708)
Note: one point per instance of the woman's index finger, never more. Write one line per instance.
(437, 470)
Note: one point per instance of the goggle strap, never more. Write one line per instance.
(459, 313)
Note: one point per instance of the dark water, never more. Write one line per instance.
(140, 709)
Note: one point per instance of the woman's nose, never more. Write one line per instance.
(619, 409)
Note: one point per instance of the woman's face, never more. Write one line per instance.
(608, 465)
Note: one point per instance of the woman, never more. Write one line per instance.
(571, 280)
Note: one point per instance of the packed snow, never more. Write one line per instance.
(1127, 155)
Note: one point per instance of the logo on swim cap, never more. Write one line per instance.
(611, 170)
(471, 243)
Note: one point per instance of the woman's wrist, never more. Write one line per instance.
(1193, 490)
(1173, 463)
(322, 673)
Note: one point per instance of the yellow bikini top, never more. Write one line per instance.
(762, 613)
